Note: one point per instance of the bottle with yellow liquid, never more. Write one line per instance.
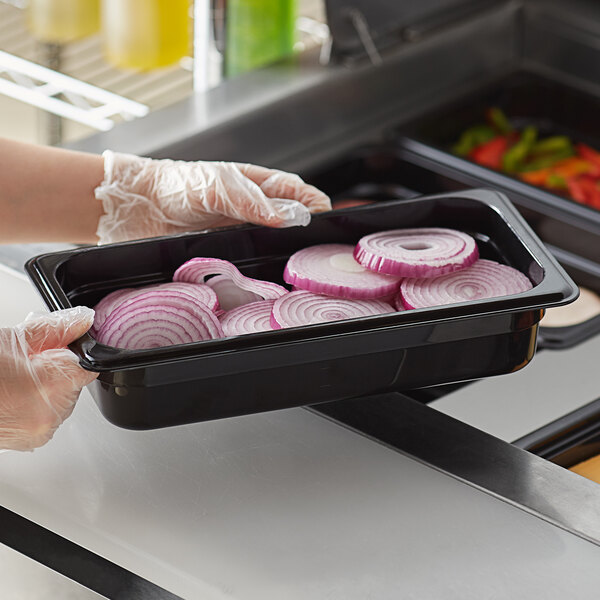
(258, 32)
(145, 34)
(61, 21)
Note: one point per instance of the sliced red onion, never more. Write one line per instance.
(331, 269)
(104, 308)
(230, 295)
(159, 317)
(107, 304)
(306, 308)
(484, 279)
(196, 270)
(248, 318)
(418, 252)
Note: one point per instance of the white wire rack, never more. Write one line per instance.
(63, 95)
(77, 92)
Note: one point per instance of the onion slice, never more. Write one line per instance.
(331, 269)
(306, 308)
(421, 252)
(196, 270)
(230, 295)
(248, 318)
(484, 279)
(104, 308)
(159, 317)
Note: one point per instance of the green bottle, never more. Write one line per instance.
(258, 32)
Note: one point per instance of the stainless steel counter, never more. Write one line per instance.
(288, 504)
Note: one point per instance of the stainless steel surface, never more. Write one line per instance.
(14, 256)
(555, 383)
(481, 460)
(24, 579)
(289, 505)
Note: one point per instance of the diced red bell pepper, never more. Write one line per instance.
(490, 153)
(538, 177)
(585, 189)
(589, 154)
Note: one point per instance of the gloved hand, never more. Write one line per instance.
(143, 197)
(40, 379)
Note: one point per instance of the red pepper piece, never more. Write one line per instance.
(589, 154)
(584, 189)
(490, 153)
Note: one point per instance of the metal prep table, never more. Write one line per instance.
(300, 503)
(289, 504)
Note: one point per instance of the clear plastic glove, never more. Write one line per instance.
(40, 379)
(143, 197)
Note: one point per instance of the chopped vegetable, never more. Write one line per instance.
(248, 318)
(185, 310)
(515, 156)
(554, 162)
(550, 145)
(306, 308)
(484, 279)
(473, 137)
(197, 269)
(331, 269)
(589, 153)
(230, 295)
(421, 252)
(159, 317)
(491, 153)
(498, 120)
(200, 293)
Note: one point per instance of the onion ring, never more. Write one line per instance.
(417, 252)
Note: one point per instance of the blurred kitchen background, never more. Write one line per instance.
(140, 51)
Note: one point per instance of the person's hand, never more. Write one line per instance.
(40, 379)
(143, 197)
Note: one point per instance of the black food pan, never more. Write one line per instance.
(569, 440)
(586, 274)
(389, 172)
(527, 99)
(239, 375)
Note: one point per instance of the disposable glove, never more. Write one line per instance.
(40, 379)
(143, 197)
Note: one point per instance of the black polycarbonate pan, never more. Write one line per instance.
(306, 365)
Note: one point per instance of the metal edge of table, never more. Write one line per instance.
(475, 458)
(513, 475)
(75, 562)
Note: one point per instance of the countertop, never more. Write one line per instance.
(283, 504)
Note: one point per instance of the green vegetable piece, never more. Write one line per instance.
(552, 144)
(556, 181)
(473, 137)
(499, 120)
(515, 156)
(549, 160)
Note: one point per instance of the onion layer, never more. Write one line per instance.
(331, 269)
(306, 308)
(416, 252)
(248, 318)
(196, 270)
(484, 279)
(104, 308)
(230, 295)
(159, 317)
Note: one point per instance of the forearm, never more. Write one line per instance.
(47, 194)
